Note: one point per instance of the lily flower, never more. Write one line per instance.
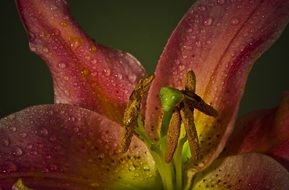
(113, 128)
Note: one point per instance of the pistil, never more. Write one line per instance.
(178, 110)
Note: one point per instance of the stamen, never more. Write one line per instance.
(187, 116)
(132, 110)
(190, 81)
(185, 101)
(195, 101)
(173, 134)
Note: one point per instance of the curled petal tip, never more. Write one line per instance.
(84, 73)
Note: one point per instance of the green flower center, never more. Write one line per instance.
(178, 144)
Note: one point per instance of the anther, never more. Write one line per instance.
(179, 105)
(190, 84)
(187, 116)
(132, 110)
(173, 134)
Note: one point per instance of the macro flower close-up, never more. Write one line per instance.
(115, 126)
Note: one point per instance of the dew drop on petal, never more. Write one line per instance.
(94, 184)
(198, 43)
(94, 74)
(62, 65)
(208, 21)
(146, 168)
(23, 135)
(18, 151)
(52, 138)
(94, 61)
(48, 156)
(132, 78)
(235, 21)
(45, 50)
(63, 24)
(43, 131)
(220, 2)
(202, 8)
(8, 167)
(6, 142)
(131, 168)
(29, 146)
(53, 167)
(107, 72)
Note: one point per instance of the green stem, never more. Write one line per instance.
(165, 170)
(178, 162)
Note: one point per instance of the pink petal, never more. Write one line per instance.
(219, 40)
(84, 73)
(66, 147)
(247, 171)
(264, 131)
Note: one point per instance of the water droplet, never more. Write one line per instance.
(100, 156)
(48, 156)
(107, 72)
(132, 78)
(94, 61)
(94, 184)
(75, 42)
(208, 21)
(119, 76)
(85, 72)
(23, 135)
(131, 168)
(45, 50)
(18, 151)
(13, 129)
(63, 24)
(202, 8)
(53, 138)
(235, 21)
(198, 43)
(30, 146)
(43, 131)
(181, 67)
(201, 164)
(220, 2)
(6, 142)
(62, 65)
(146, 168)
(53, 167)
(92, 49)
(9, 167)
(72, 118)
(209, 41)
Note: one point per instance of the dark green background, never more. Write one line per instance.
(139, 27)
